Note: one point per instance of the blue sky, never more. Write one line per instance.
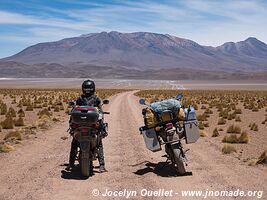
(208, 22)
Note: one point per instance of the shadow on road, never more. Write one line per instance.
(161, 169)
(74, 174)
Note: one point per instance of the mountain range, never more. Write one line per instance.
(139, 55)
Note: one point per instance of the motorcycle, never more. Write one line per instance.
(171, 125)
(87, 127)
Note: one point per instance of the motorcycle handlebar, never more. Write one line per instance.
(107, 113)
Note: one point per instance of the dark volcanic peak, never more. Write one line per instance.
(146, 51)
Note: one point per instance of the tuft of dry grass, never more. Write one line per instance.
(56, 109)
(227, 149)
(19, 122)
(263, 158)
(215, 133)
(233, 129)
(204, 134)
(230, 139)
(221, 121)
(202, 117)
(254, 127)
(3, 109)
(13, 135)
(56, 119)
(21, 113)
(8, 123)
(237, 118)
(5, 148)
(43, 123)
(11, 112)
(44, 112)
(201, 126)
(244, 137)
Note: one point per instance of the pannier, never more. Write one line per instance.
(163, 112)
(84, 115)
(191, 126)
(151, 139)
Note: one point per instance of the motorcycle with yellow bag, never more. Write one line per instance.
(167, 123)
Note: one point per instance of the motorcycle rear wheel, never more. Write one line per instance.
(85, 166)
(179, 161)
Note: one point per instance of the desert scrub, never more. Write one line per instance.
(221, 121)
(233, 129)
(238, 111)
(5, 148)
(237, 118)
(244, 137)
(44, 112)
(201, 126)
(230, 139)
(202, 117)
(254, 127)
(8, 123)
(203, 107)
(13, 135)
(11, 112)
(43, 122)
(215, 133)
(3, 109)
(227, 149)
(203, 134)
(233, 138)
(56, 109)
(21, 113)
(19, 122)
(263, 158)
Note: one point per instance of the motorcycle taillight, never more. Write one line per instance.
(169, 126)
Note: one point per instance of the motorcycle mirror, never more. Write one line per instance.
(71, 103)
(106, 101)
(179, 96)
(142, 102)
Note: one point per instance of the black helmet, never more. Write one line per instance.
(88, 87)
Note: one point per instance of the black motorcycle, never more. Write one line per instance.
(87, 127)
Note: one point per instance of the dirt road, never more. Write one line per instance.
(36, 169)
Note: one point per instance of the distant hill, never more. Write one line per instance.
(138, 55)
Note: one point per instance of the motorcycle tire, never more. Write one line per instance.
(85, 166)
(178, 161)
